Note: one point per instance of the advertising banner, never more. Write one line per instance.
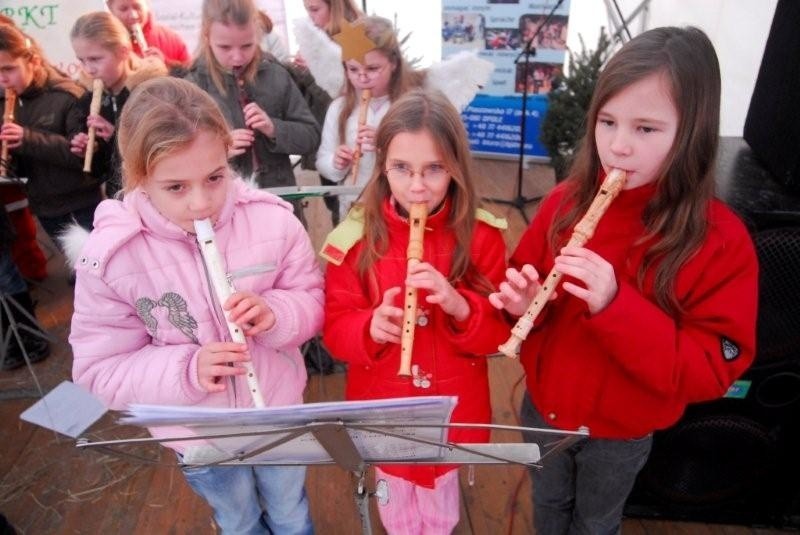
(499, 30)
(49, 24)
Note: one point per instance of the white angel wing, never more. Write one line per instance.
(460, 77)
(323, 56)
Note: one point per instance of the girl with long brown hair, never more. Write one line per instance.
(46, 117)
(659, 308)
(422, 157)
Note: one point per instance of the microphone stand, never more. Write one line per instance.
(519, 201)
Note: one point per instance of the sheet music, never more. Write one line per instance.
(266, 425)
(407, 409)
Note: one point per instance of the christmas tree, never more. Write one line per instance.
(563, 126)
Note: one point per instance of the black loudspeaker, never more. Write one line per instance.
(772, 127)
(737, 461)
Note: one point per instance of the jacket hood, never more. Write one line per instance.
(117, 222)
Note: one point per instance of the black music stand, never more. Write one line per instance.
(520, 201)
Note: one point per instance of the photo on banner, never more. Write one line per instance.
(499, 31)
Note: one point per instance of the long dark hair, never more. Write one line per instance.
(675, 217)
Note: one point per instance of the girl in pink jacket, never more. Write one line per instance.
(146, 327)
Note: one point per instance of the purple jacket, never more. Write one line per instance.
(144, 305)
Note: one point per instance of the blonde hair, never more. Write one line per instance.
(404, 77)
(416, 111)
(229, 12)
(341, 11)
(162, 116)
(105, 30)
(102, 28)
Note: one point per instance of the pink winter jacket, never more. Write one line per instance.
(144, 305)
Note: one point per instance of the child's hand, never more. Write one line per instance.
(440, 291)
(12, 134)
(257, 119)
(102, 128)
(155, 52)
(593, 271)
(212, 364)
(517, 291)
(366, 137)
(78, 144)
(299, 61)
(385, 324)
(241, 140)
(250, 312)
(343, 158)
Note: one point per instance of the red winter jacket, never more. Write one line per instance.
(166, 40)
(451, 352)
(632, 368)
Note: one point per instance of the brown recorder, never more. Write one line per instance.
(417, 216)
(94, 109)
(582, 233)
(363, 107)
(8, 117)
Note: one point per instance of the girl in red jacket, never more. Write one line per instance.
(659, 309)
(422, 157)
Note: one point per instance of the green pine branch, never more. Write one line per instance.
(563, 125)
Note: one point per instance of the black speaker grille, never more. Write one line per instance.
(778, 335)
(710, 460)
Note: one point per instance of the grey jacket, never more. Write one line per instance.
(296, 130)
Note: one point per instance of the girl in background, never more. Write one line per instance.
(146, 328)
(327, 16)
(422, 157)
(103, 47)
(162, 42)
(387, 75)
(268, 117)
(659, 309)
(47, 116)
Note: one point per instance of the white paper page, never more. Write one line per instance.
(67, 409)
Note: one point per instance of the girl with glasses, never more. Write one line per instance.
(387, 75)
(421, 156)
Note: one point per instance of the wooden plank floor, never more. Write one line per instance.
(47, 485)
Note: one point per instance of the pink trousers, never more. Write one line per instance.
(415, 510)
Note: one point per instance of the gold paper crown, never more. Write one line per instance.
(354, 41)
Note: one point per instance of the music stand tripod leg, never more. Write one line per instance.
(338, 443)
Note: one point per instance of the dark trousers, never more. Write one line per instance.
(582, 489)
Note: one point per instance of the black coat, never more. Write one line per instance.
(50, 117)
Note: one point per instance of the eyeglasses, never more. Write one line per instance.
(372, 71)
(433, 171)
